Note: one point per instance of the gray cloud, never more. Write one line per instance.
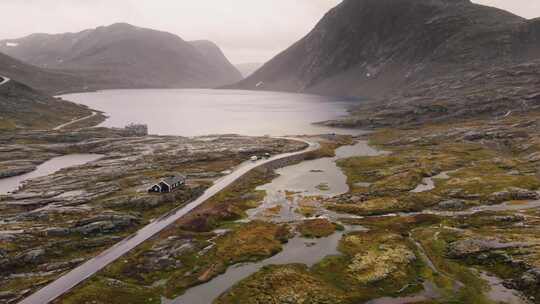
(247, 30)
(524, 8)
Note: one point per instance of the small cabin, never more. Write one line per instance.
(168, 184)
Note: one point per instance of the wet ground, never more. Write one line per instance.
(297, 250)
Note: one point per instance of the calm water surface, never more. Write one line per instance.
(202, 112)
(49, 167)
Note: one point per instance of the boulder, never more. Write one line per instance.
(116, 219)
(96, 227)
(530, 279)
(473, 135)
(472, 247)
(534, 157)
(33, 256)
(56, 231)
(452, 205)
(511, 194)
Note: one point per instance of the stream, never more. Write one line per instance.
(297, 250)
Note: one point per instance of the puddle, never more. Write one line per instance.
(297, 250)
(427, 184)
(499, 293)
(51, 166)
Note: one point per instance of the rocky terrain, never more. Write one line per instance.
(54, 223)
(497, 92)
(447, 211)
(125, 56)
(448, 215)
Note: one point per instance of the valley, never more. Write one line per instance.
(381, 241)
(390, 156)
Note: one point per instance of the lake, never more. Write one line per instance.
(193, 112)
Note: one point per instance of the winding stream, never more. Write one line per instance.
(297, 250)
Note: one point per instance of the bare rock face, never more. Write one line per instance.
(413, 62)
(365, 47)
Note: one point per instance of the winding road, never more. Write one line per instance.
(76, 276)
(4, 80)
(75, 121)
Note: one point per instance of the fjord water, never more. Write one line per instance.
(193, 112)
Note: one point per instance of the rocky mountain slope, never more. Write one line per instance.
(372, 47)
(45, 80)
(125, 56)
(214, 55)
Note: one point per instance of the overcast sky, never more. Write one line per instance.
(247, 30)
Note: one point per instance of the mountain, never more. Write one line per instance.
(125, 56)
(373, 47)
(22, 107)
(214, 55)
(248, 68)
(44, 80)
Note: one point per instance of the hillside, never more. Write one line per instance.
(372, 47)
(125, 56)
(214, 55)
(44, 80)
(21, 107)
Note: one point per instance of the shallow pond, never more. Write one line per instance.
(320, 177)
(51, 166)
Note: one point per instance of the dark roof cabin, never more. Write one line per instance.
(168, 184)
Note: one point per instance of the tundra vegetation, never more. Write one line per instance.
(448, 205)
(54, 223)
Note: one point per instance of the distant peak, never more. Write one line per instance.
(203, 42)
(121, 25)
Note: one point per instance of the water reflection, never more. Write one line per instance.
(202, 112)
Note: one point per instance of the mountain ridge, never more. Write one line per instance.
(125, 56)
(365, 47)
